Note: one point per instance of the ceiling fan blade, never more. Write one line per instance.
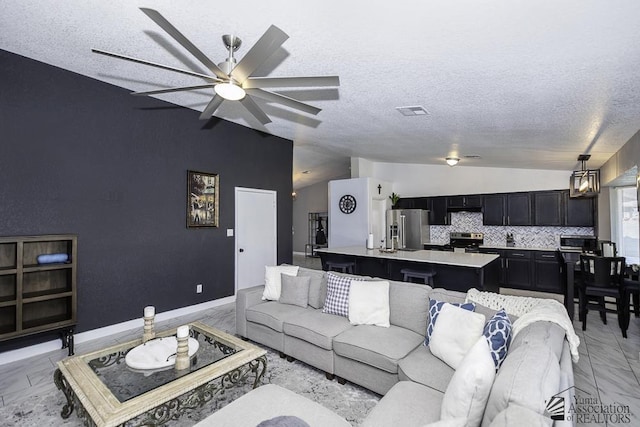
(173, 89)
(154, 64)
(266, 46)
(284, 100)
(255, 110)
(185, 42)
(265, 82)
(211, 107)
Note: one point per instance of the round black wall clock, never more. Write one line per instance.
(347, 203)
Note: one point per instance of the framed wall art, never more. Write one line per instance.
(203, 191)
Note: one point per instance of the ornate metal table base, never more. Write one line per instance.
(173, 409)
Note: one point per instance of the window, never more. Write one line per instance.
(624, 223)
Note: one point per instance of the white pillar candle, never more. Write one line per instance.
(149, 311)
(183, 331)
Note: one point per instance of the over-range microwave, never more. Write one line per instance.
(582, 243)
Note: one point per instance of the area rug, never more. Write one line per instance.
(349, 401)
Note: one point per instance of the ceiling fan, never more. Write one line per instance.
(231, 81)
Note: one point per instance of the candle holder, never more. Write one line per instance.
(182, 353)
(149, 319)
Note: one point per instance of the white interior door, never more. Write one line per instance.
(256, 235)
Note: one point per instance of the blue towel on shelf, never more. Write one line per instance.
(52, 258)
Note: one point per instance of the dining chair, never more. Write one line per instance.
(632, 288)
(603, 277)
(608, 248)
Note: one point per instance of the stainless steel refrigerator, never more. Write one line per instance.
(407, 228)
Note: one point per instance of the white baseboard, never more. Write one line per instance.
(45, 347)
(299, 253)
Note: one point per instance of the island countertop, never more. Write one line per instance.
(458, 259)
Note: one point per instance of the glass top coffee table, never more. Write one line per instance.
(104, 391)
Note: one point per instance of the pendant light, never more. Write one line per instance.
(584, 182)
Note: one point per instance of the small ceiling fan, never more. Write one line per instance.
(231, 81)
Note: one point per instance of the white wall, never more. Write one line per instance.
(413, 180)
(353, 229)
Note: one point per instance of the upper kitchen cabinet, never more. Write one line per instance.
(579, 212)
(438, 213)
(472, 202)
(493, 209)
(518, 209)
(412, 203)
(507, 209)
(547, 207)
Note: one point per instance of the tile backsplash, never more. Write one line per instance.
(525, 237)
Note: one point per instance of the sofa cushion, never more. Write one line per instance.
(272, 314)
(497, 331)
(446, 295)
(379, 347)
(317, 286)
(409, 306)
(369, 303)
(516, 415)
(435, 306)
(272, 279)
(406, 404)
(529, 376)
(548, 334)
(455, 333)
(468, 391)
(316, 327)
(422, 367)
(337, 301)
(294, 290)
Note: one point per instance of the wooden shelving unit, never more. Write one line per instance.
(317, 221)
(37, 297)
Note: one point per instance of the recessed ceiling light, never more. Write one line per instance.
(416, 110)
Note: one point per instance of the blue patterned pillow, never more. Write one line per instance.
(497, 331)
(434, 310)
(337, 301)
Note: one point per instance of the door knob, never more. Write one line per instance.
(241, 250)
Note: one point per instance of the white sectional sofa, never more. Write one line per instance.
(393, 361)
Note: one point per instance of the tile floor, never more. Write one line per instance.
(608, 369)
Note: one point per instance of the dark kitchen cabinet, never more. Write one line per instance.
(547, 207)
(499, 253)
(493, 209)
(438, 214)
(518, 209)
(548, 272)
(579, 212)
(518, 269)
(464, 202)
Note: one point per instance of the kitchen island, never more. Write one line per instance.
(457, 271)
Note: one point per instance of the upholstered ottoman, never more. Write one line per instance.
(270, 401)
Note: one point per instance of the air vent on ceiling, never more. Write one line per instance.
(415, 110)
(472, 157)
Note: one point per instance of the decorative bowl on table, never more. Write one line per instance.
(157, 354)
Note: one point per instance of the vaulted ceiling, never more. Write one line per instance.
(521, 84)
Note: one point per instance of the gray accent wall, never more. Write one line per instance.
(84, 157)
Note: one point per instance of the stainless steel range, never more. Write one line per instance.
(469, 242)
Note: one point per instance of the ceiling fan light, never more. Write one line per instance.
(452, 161)
(230, 91)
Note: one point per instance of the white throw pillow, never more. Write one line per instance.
(468, 390)
(456, 331)
(273, 282)
(369, 303)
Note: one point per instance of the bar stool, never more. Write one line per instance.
(426, 276)
(344, 267)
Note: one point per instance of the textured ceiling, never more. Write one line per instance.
(523, 84)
